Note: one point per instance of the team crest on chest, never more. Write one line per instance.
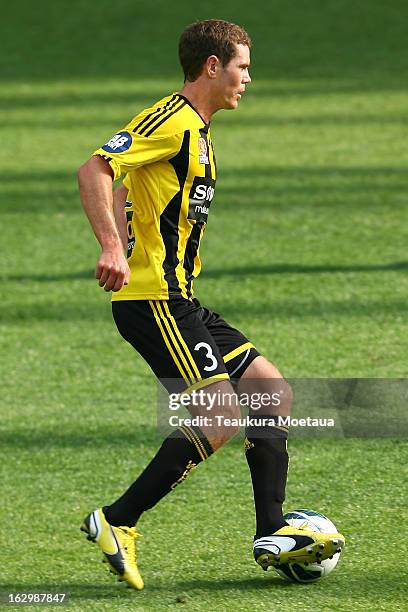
(202, 151)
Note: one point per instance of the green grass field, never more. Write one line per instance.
(305, 251)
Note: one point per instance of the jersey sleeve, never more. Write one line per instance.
(127, 151)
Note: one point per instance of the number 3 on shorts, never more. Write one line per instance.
(209, 355)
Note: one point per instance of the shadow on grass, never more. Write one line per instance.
(272, 187)
(397, 266)
(384, 587)
(370, 173)
(81, 101)
(281, 309)
(306, 38)
(77, 590)
(304, 269)
(73, 590)
(51, 438)
(78, 101)
(250, 122)
(51, 278)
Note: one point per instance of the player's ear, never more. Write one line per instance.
(212, 65)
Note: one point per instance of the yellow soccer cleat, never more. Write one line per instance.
(290, 544)
(117, 544)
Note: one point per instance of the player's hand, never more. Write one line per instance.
(112, 270)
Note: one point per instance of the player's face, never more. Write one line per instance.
(233, 78)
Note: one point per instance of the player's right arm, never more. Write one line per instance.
(95, 185)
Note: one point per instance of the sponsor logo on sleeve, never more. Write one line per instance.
(200, 198)
(119, 143)
(202, 151)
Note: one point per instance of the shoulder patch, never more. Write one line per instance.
(119, 143)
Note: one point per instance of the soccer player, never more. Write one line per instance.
(158, 215)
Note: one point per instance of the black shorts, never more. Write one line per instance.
(187, 346)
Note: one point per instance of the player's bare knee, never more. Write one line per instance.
(229, 421)
(222, 429)
(286, 395)
(225, 416)
(267, 392)
(219, 409)
(281, 394)
(223, 435)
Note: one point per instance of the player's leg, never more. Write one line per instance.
(178, 347)
(266, 446)
(183, 355)
(266, 441)
(275, 542)
(113, 527)
(180, 452)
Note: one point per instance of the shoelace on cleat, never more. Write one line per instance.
(129, 543)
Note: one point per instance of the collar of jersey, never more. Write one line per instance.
(207, 125)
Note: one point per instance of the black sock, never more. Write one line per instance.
(177, 456)
(267, 457)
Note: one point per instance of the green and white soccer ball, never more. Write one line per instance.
(308, 572)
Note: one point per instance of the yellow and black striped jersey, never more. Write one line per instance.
(167, 156)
